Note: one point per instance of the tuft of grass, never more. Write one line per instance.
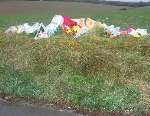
(96, 93)
(18, 83)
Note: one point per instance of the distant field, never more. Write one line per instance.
(19, 12)
(56, 7)
(95, 73)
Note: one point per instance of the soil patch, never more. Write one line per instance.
(60, 105)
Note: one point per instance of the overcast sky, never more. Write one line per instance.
(130, 0)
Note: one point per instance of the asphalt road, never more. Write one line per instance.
(7, 109)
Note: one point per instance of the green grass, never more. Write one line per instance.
(137, 17)
(93, 72)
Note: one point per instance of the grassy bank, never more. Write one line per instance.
(93, 72)
(90, 73)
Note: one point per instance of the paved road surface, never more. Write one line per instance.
(7, 109)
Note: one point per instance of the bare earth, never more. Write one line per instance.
(10, 8)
